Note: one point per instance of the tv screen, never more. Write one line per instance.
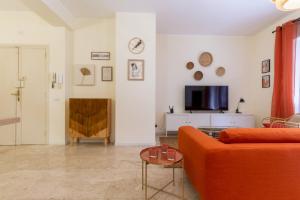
(214, 98)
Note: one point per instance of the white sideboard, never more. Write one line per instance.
(208, 120)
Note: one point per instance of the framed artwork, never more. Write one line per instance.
(265, 66)
(107, 73)
(266, 81)
(136, 70)
(100, 55)
(84, 75)
(136, 45)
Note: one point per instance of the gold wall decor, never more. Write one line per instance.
(220, 71)
(190, 65)
(205, 59)
(198, 75)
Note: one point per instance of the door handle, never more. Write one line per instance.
(17, 94)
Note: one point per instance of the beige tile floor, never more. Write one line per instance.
(83, 172)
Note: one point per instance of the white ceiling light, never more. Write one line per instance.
(287, 5)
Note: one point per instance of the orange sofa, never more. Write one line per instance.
(244, 164)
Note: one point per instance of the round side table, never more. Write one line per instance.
(160, 159)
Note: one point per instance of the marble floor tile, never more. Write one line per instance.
(80, 172)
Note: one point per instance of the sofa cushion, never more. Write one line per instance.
(268, 125)
(260, 135)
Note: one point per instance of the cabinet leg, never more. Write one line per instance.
(72, 140)
(75, 140)
(106, 141)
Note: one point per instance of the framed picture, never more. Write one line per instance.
(136, 70)
(84, 75)
(100, 55)
(107, 73)
(265, 66)
(266, 81)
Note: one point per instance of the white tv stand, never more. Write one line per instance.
(208, 120)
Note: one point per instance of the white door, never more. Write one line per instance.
(33, 70)
(8, 102)
(31, 75)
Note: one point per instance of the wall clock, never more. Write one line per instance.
(136, 45)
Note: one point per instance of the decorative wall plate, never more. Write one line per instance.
(190, 65)
(136, 45)
(220, 71)
(205, 59)
(198, 75)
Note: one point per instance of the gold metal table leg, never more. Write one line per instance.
(182, 163)
(173, 176)
(142, 175)
(146, 184)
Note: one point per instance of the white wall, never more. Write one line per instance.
(263, 48)
(26, 28)
(99, 37)
(135, 100)
(68, 79)
(174, 51)
(241, 56)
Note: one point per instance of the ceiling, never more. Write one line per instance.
(205, 17)
(220, 17)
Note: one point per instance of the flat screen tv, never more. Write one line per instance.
(206, 98)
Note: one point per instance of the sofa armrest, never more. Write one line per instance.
(196, 147)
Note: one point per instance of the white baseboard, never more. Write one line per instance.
(134, 144)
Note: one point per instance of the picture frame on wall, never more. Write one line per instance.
(136, 70)
(100, 55)
(107, 73)
(266, 81)
(84, 75)
(265, 66)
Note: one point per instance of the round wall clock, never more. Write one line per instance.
(136, 45)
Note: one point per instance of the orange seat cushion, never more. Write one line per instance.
(260, 135)
(268, 125)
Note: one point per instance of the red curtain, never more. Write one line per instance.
(285, 51)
